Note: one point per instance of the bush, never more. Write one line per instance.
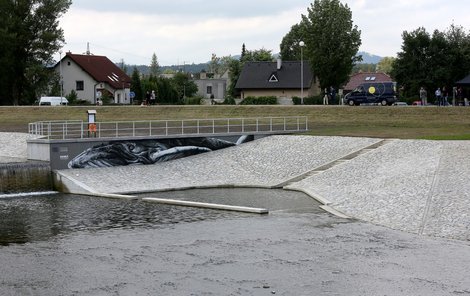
(229, 101)
(197, 100)
(72, 97)
(267, 100)
(313, 100)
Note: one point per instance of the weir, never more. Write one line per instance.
(25, 177)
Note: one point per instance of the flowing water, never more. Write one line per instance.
(24, 177)
(59, 244)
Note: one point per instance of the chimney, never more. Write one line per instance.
(279, 63)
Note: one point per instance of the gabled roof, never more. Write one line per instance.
(265, 75)
(359, 78)
(101, 69)
(464, 81)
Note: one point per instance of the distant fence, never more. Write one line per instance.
(77, 129)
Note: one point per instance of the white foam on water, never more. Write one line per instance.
(27, 194)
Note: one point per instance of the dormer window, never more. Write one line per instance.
(273, 78)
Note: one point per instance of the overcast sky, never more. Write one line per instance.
(189, 31)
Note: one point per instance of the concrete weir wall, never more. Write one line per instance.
(25, 177)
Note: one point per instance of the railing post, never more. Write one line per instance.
(198, 126)
(271, 124)
(243, 125)
(213, 126)
(166, 127)
(150, 127)
(182, 127)
(228, 125)
(117, 130)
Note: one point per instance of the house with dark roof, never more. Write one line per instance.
(282, 79)
(365, 77)
(93, 76)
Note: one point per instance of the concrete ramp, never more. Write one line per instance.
(267, 163)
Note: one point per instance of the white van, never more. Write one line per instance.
(53, 101)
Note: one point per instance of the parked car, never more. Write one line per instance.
(53, 101)
(383, 93)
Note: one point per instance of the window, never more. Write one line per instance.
(209, 89)
(79, 85)
(273, 78)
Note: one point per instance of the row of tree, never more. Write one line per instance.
(168, 90)
(325, 36)
(432, 60)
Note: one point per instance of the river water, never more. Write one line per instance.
(60, 244)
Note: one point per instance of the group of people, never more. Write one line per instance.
(329, 95)
(150, 99)
(441, 95)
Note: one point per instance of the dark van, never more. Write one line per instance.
(383, 93)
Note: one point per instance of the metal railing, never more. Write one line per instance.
(119, 129)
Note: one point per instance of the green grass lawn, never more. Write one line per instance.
(411, 122)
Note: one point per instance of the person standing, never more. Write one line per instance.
(152, 98)
(438, 95)
(332, 94)
(325, 98)
(445, 96)
(147, 98)
(423, 95)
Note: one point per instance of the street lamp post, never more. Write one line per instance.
(60, 73)
(301, 44)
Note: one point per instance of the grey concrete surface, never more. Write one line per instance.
(412, 185)
(13, 147)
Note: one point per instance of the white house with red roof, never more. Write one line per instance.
(93, 76)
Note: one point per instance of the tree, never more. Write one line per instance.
(214, 64)
(29, 37)
(459, 52)
(364, 67)
(432, 61)
(235, 66)
(183, 85)
(234, 70)
(154, 66)
(331, 41)
(136, 85)
(386, 65)
(290, 49)
(123, 66)
(259, 55)
(166, 93)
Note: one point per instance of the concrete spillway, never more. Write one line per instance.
(25, 177)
